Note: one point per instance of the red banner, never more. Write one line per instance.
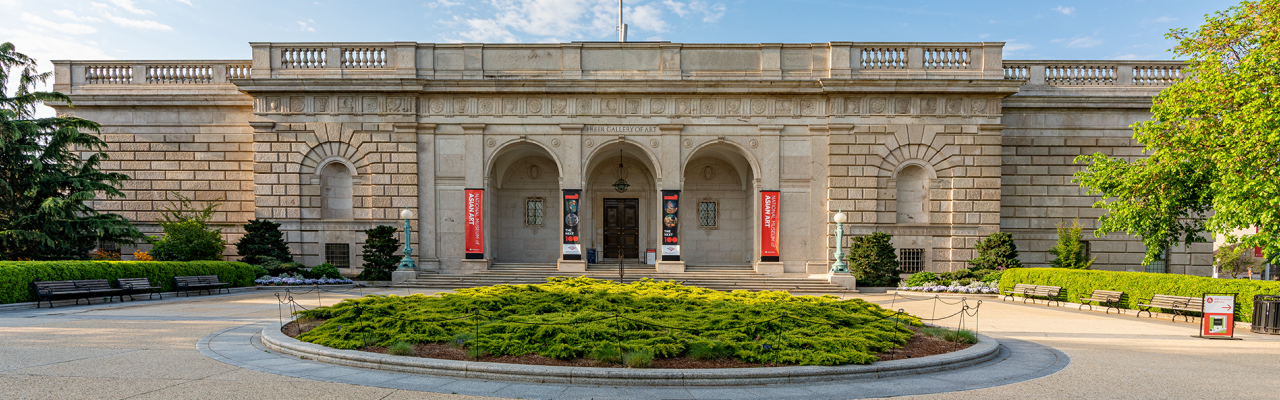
(769, 232)
(474, 219)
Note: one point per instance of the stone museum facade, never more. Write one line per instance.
(709, 154)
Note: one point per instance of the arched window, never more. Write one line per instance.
(335, 192)
(913, 195)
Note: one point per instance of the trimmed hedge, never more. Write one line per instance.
(1139, 286)
(16, 276)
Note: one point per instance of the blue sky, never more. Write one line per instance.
(221, 29)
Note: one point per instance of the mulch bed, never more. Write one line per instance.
(920, 345)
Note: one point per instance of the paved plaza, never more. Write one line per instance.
(203, 347)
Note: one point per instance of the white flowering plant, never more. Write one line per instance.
(975, 287)
(297, 279)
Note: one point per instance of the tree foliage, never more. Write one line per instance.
(187, 236)
(1234, 259)
(380, 246)
(873, 261)
(45, 181)
(997, 251)
(262, 238)
(1212, 148)
(1069, 251)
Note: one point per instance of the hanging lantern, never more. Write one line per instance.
(621, 184)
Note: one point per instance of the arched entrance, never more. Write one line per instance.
(720, 207)
(621, 221)
(525, 218)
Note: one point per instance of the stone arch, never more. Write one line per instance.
(500, 159)
(752, 163)
(519, 172)
(606, 150)
(724, 175)
(329, 152)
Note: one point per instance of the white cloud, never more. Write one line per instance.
(127, 5)
(984, 36)
(1082, 42)
(1012, 47)
(646, 17)
(68, 14)
(308, 26)
(66, 28)
(710, 13)
(187, 2)
(444, 3)
(1065, 10)
(134, 23)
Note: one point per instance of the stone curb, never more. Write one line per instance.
(986, 349)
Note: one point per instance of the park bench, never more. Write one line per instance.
(206, 283)
(47, 291)
(132, 286)
(1109, 298)
(1179, 305)
(1031, 292)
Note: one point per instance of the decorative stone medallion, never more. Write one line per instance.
(902, 105)
(633, 106)
(683, 107)
(782, 107)
(486, 106)
(953, 105)
(757, 106)
(929, 105)
(555, 142)
(653, 143)
(979, 106)
(754, 143)
(395, 104)
(610, 106)
(707, 106)
(534, 172)
(852, 104)
(584, 106)
(708, 173)
(490, 142)
(459, 106)
(346, 105)
(509, 106)
(733, 106)
(589, 143)
(688, 143)
(273, 104)
(369, 105)
(297, 104)
(808, 107)
(657, 106)
(533, 106)
(321, 104)
(558, 105)
(436, 106)
(877, 105)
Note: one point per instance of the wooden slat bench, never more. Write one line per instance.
(1180, 305)
(1031, 292)
(1109, 298)
(132, 286)
(47, 291)
(207, 283)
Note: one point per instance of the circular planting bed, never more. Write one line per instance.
(579, 330)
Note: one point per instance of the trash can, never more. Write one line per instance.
(1266, 314)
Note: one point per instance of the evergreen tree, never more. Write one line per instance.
(997, 251)
(380, 247)
(187, 236)
(262, 238)
(873, 261)
(44, 181)
(1069, 251)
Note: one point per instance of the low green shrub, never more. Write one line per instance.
(16, 276)
(962, 336)
(992, 276)
(1140, 286)
(573, 318)
(921, 278)
(638, 358)
(325, 270)
(401, 348)
(709, 350)
(607, 353)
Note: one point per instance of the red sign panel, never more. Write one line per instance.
(769, 229)
(474, 220)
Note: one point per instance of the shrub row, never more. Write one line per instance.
(16, 276)
(1139, 286)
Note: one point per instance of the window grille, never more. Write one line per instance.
(338, 254)
(1161, 264)
(109, 246)
(707, 214)
(533, 212)
(910, 261)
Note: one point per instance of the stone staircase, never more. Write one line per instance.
(726, 278)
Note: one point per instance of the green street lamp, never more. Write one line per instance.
(406, 263)
(840, 266)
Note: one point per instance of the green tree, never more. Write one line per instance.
(1234, 259)
(997, 251)
(262, 238)
(873, 261)
(44, 180)
(380, 246)
(1212, 147)
(187, 236)
(1069, 252)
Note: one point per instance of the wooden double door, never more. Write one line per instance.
(621, 228)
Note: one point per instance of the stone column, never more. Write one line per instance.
(473, 142)
(670, 180)
(429, 259)
(572, 177)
